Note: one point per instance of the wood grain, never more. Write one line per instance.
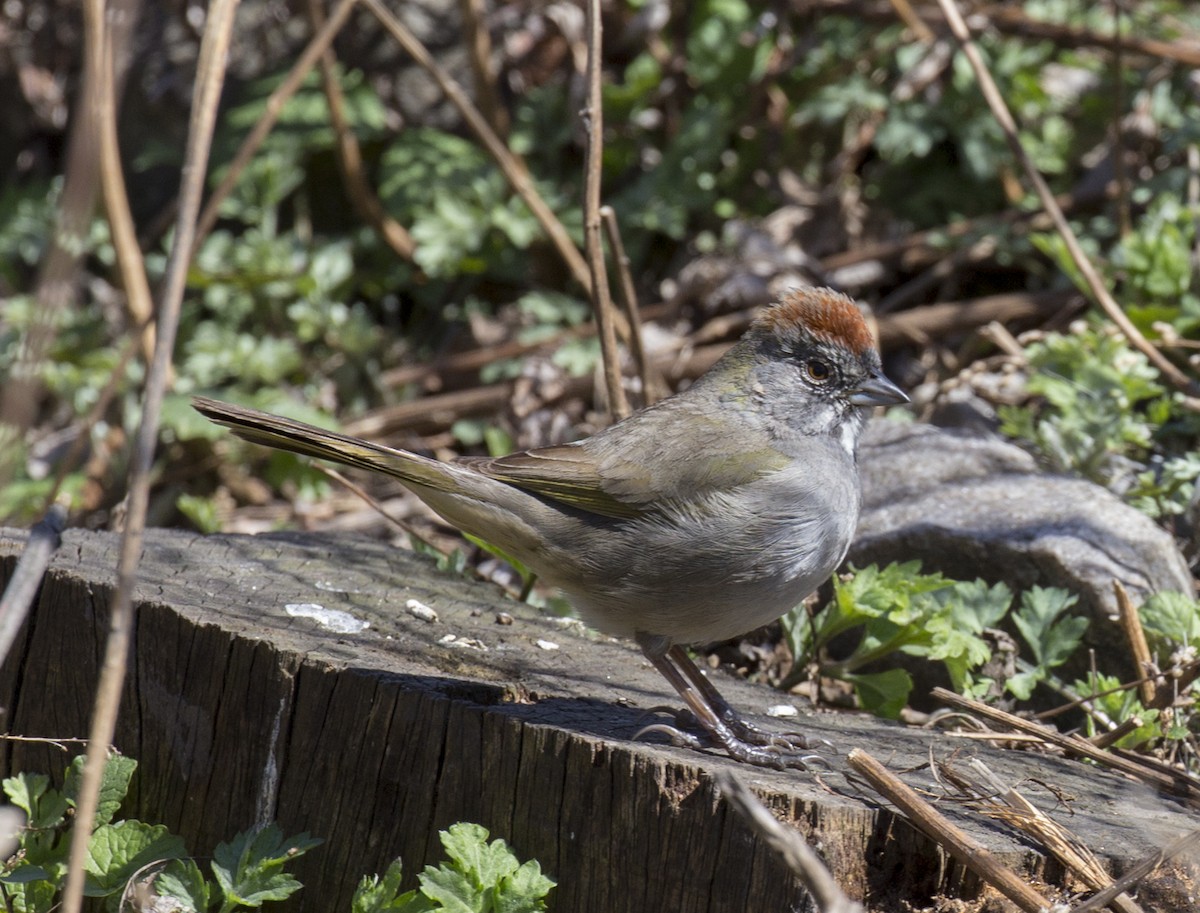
(240, 713)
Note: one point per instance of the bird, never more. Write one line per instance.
(697, 519)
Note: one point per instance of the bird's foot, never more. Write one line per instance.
(742, 741)
(756, 735)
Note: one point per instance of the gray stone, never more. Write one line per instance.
(973, 506)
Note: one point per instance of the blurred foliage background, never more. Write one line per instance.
(747, 145)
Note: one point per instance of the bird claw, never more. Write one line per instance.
(756, 735)
(678, 737)
(680, 716)
(779, 753)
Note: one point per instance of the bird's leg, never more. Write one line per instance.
(742, 728)
(714, 717)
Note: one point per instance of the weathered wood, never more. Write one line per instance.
(238, 713)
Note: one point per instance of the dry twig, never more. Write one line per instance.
(1174, 781)
(602, 305)
(349, 154)
(799, 857)
(210, 73)
(629, 301)
(44, 540)
(1143, 660)
(947, 835)
(106, 37)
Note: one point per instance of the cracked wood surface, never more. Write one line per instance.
(239, 712)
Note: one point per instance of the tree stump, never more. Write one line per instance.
(241, 709)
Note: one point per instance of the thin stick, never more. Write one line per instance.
(44, 540)
(479, 48)
(1110, 737)
(915, 24)
(1135, 636)
(947, 835)
(1176, 782)
(1120, 171)
(1011, 19)
(799, 857)
(629, 301)
(1095, 284)
(998, 800)
(511, 166)
(274, 107)
(209, 77)
(349, 154)
(593, 122)
(130, 263)
(1102, 899)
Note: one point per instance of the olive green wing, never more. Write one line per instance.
(630, 469)
(563, 473)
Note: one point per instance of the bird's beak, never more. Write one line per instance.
(877, 390)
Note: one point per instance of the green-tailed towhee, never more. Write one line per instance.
(697, 519)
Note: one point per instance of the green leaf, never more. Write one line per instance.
(248, 868)
(33, 897)
(114, 784)
(117, 851)
(183, 882)
(978, 605)
(883, 693)
(382, 895)
(1051, 639)
(1172, 617)
(1021, 684)
(202, 511)
(466, 845)
(25, 874)
(522, 891)
(453, 890)
(44, 807)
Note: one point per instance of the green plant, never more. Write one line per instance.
(898, 609)
(1102, 413)
(480, 877)
(247, 870)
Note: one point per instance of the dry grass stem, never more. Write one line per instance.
(602, 305)
(349, 155)
(800, 858)
(210, 72)
(1001, 802)
(44, 539)
(947, 835)
(1118, 732)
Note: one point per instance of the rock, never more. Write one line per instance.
(972, 506)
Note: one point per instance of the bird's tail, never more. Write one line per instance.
(299, 437)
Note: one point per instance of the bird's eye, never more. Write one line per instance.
(818, 370)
